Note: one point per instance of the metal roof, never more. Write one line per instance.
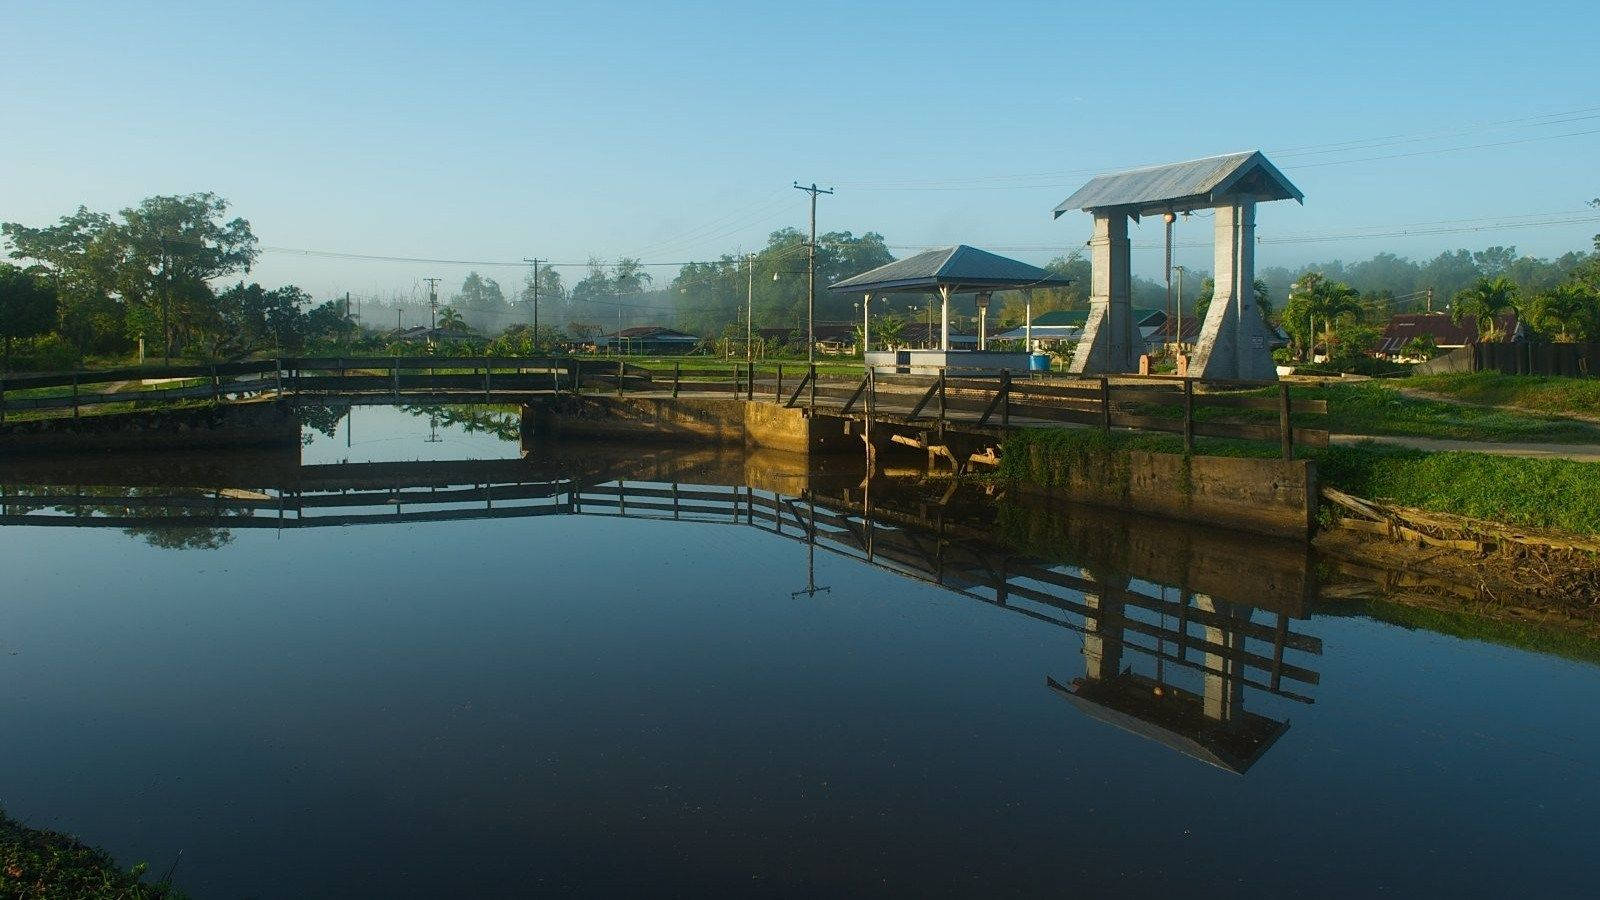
(961, 268)
(1186, 185)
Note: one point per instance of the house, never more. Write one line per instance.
(653, 339)
(1446, 334)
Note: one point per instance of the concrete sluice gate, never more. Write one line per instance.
(1235, 340)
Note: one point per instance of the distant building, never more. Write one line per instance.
(1446, 334)
(652, 339)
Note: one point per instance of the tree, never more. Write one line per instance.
(1313, 297)
(258, 319)
(1484, 303)
(481, 302)
(80, 254)
(890, 330)
(450, 320)
(1208, 288)
(27, 305)
(1569, 312)
(169, 248)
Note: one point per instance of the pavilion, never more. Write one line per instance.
(1235, 341)
(945, 271)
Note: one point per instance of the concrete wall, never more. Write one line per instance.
(1265, 496)
(229, 425)
(698, 420)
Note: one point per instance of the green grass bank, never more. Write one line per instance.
(35, 863)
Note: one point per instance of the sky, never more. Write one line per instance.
(489, 132)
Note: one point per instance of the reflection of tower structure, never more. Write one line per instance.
(1210, 724)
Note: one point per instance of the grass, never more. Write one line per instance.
(1556, 494)
(1551, 395)
(38, 863)
(1376, 409)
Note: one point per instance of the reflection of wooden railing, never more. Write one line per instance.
(909, 543)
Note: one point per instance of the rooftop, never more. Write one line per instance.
(1177, 187)
(961, 269)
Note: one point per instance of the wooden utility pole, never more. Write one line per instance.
(535, 262)
(811, 271)
(749, 304)
(433, 302)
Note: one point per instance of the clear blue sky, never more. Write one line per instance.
(673, 130)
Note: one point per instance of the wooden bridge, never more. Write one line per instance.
(988, 400)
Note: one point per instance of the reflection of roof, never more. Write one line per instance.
(1193, 184)
(961, 268)
(1174, 719)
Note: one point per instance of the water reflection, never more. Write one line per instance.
(1174, 631)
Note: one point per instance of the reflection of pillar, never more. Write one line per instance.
(1102, 640)
(1224, 693)
(1107, 344)
(1234, 338)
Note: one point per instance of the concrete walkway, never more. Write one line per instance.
(1575, 452)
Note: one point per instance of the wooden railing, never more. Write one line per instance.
(972, 397)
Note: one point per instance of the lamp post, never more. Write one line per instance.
(983, 320)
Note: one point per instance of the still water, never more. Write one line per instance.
(413, 659)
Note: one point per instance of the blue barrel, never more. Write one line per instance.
(1039, 362)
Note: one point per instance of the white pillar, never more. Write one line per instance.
(1027, 319)
(983, 321)
(944, 317)
(866, 325)
(1107, 345)
(1234, 337)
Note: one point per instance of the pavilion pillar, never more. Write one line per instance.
(1224, 689)
(983, 320)
(1235, 341)
(1107, 345)
(944, 317)
(1102, 640)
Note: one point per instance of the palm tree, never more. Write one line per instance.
(1570, 312)
(1314, 297)
(889, 330)
(1484, 302)
(450, 320)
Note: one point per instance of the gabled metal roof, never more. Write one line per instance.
(1186, 185)
(961, 268)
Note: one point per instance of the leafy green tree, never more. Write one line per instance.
(1315, 298)
(890, 330)
(1484, 302)
(81, 254)
(1208, 289)
(481, 303)
(27, 305)
(259, 319)
(1568, 312)
(169, 248)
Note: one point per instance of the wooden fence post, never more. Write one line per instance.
(74, 395)
(941, 395)
(2, 400)
(622, 369)
(488, 368)
(812, 376)
(1284, 427)
(1188, 415)
(1005, 398)
(216, 385)
(1105, 403)
(677, 375)
(749, 381)
(779, 392)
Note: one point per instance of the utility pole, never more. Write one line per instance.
(1430, 299)
(535, 262)
(811, 272)
(749, 304)
(433, 302)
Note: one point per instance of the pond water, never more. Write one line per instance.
(415, 659)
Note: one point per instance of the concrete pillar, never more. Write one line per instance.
(1107, 345)
(1234, 339)
(1224, 692)
(1102, 641)
(983, 321)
